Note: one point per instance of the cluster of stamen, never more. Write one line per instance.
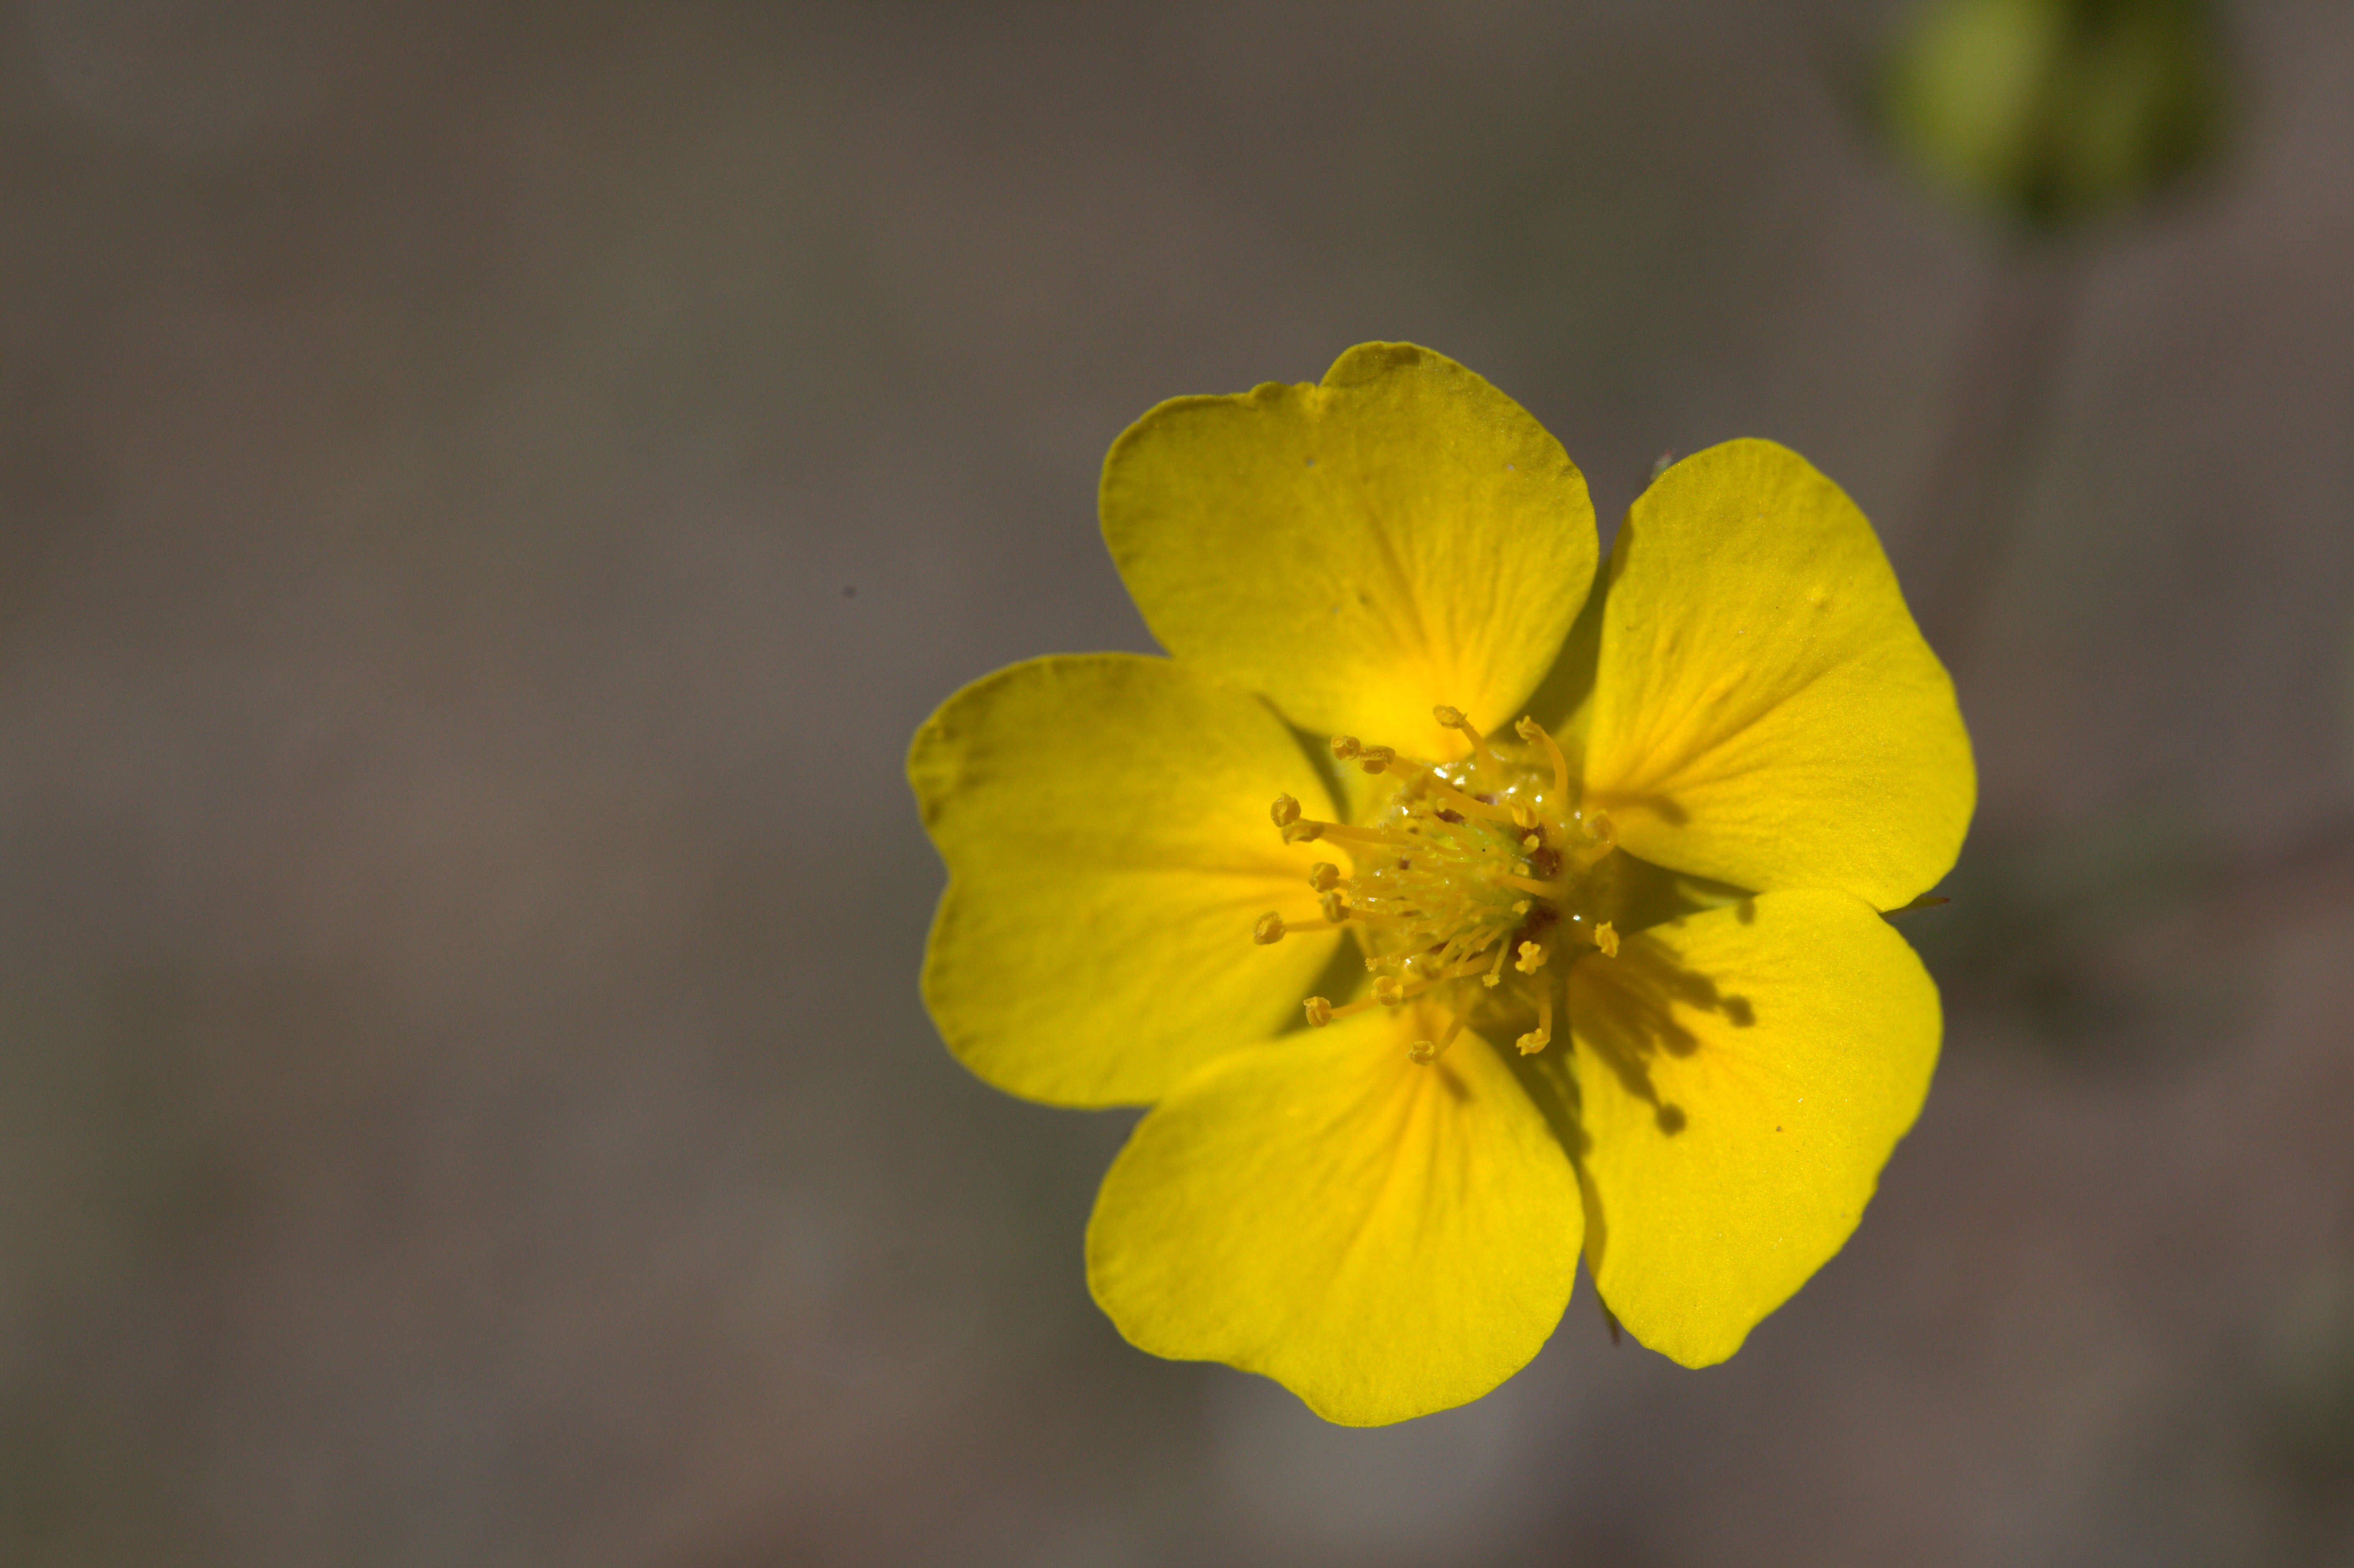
(1471, 884)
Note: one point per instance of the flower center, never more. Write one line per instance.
(1473, 883)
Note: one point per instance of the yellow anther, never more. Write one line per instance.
(1423, 1053)
(1324, 877)
(1286, 811)
(1534, 1040)
(1345, 747)
(1601, 836)
(1302, 833)
(1268, 929)
(1375, 758)
(1606, 937)
(1387, 992)
(1452, 718)
(1522, 817)
(1532, 958)
(1520, 906)
(1320, 1013)
(1530, 842)
(1334, 909)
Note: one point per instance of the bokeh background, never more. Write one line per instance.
(486, 492)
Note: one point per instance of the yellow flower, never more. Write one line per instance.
(1570, 939)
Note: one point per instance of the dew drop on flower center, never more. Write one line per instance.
(1476, 884)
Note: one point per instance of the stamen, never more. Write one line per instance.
(1469, 946)
(1452, 718)
(1320, 1013)
(1334, 909)
(1495, 975)
(1309, 828)
(1602, 837)
(1389, 991)
(1375, 758)
(1537, 1039)
(1345, 747)
(1463, 971)
(1606, 937)
(1422, 1052)
(1270, 928)
(1529, 729)
(1324, 877)
(1533, 954)
(1286, 811)
(1470, 805)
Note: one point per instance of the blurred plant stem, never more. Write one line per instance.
(1979, 482)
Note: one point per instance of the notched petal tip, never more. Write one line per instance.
(1284, 538)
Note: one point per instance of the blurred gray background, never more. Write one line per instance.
(487, 494)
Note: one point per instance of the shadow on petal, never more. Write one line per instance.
(1633, 1019)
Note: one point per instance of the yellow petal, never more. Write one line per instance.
(1741, 1077)
(1765, 711)
(1400, 536)
(1382, 1238)
(1104, 819)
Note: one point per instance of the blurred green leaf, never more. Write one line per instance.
(2052, 112)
